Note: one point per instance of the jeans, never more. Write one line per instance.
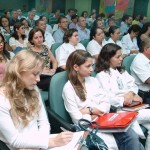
(128, 140)
(143, 118)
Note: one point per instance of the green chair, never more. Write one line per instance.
(94, 72)
(54, 47)
(85, 42)
(127, 62)
(57, 113)
(44, 95)
(3, 146)
(53, 20)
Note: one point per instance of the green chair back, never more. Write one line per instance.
(3, 146)
(94, 72)
(85, 42)
(53, 20)
(55, 95)
(44, 95)
(54, 47)
(127, 62)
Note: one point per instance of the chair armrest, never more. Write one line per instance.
(56, 122)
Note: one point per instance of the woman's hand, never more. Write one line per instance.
(46, 70)
(61, 139)
(137, 98)
(128, 97)
(52, 71)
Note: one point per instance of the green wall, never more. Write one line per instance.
(13, 4)
(82, 5)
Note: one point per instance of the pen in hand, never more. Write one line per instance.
(63, 129)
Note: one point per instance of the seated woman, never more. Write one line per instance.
(6, 31)
(71, 43)
(97, 41)
(118, 84)
(36, 38)
(18, 40)
(114, 33)
(5, 56)
(5, 27)
(22, 108)
(26, 26)
(129, 41)
(83, 98)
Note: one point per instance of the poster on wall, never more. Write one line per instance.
(116, 7)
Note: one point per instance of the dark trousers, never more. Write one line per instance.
(145, 95)
(128, 140)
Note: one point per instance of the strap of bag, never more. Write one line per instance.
(85, 135)
(86, 125)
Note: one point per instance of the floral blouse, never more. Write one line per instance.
(45, 55)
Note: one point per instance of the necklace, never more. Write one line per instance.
(1, 59)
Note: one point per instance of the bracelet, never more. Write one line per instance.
(90, 110)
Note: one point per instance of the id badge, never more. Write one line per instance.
(120, 84)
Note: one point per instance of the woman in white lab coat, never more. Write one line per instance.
(83, 98)
(129, 41)
(119, 85)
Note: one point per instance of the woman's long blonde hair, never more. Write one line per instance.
(24, 103)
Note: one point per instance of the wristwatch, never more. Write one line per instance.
(91, 110)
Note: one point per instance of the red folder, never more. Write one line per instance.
(116, 120)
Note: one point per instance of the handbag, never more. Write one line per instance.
(116, 120)
(90, 140)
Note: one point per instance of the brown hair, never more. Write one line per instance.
(32, 32)
(78, 57)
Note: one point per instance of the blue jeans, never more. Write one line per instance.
(128, 140)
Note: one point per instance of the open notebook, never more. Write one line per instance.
(135, 108)
(73, 144)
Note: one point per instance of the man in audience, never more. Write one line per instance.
(36, 17)
(142, 21)
(70, 13)
(73, 24)
(56, 13)
(127, 21)
(83, 32)
(30, 19)
(14, 18)
(140, 70)
(20, 14)
(62, 27)
(48, 37)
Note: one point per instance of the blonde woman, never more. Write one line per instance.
(23, 121)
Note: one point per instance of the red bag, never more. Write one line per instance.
(116, 120)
